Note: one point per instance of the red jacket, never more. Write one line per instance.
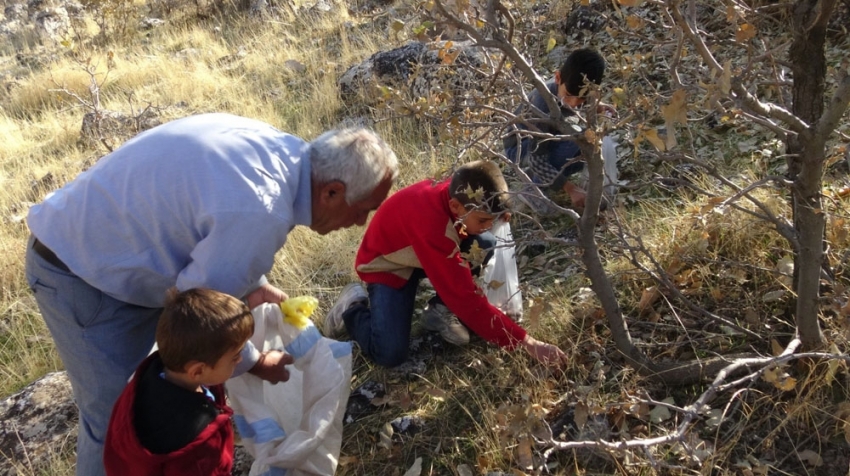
(414, 228)
(210, 454)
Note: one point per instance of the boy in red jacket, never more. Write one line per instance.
(172, 418)
(428, 230)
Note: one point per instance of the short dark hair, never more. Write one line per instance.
(584, 65)
(201, 325)
(480, 184)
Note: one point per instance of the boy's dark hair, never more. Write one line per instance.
(202, 325)
(480, 184)
(582, 65)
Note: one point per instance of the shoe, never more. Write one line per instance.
(351, 294)
(437, 318)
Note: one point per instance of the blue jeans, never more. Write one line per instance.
(382, 327)
(101, 342)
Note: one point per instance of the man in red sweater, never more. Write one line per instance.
(428, 230)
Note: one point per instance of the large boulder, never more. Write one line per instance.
(36, 424)
(419, 70)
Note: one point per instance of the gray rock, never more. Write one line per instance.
(115, 127)
(419, 69)
(36, 423)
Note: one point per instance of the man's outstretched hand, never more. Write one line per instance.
(544, 353)
(263, 294)
(272, 366)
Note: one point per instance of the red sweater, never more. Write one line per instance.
(414, 228)
(210, 454)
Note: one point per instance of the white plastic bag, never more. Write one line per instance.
(611, 179)
(295, 427)
(501, 279)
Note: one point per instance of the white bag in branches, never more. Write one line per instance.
(294, 427)
(611, 179)
(500, 276)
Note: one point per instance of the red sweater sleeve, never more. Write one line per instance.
(451, 277)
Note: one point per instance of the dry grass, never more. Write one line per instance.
(478, 405)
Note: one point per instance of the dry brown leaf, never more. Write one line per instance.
(635, 22)
(776, 348)
(534, 312)
(810, 457)
(725, 80)
(386, 435)
(648, 299)
(745, 32)
(415, 469)
(731, 13)
(650, 135)
(378, 401)
(345, 460)
(436, 393)
(483, 463)
(580, 416)
(675, 112)
(630, 3)
(524, 456)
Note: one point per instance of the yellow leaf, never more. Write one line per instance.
(550, 45)
(619, 96)
(635, 22)
(771, 375)
(476, 195)
(475, 255)
(585, 3)
(630, 3)
(397, 25)
(832, 365)
(745, 32)
(786, 384)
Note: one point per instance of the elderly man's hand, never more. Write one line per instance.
(263, 294)
(272, 366)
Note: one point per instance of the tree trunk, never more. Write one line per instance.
(806, 160)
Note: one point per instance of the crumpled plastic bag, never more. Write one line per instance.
(500, 276)
(294, 427)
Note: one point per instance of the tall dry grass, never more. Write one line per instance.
(477, 402)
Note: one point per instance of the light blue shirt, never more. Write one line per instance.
(204, 201)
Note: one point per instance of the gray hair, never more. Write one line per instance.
(356, 156)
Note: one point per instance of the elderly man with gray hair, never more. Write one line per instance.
(204, 201)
